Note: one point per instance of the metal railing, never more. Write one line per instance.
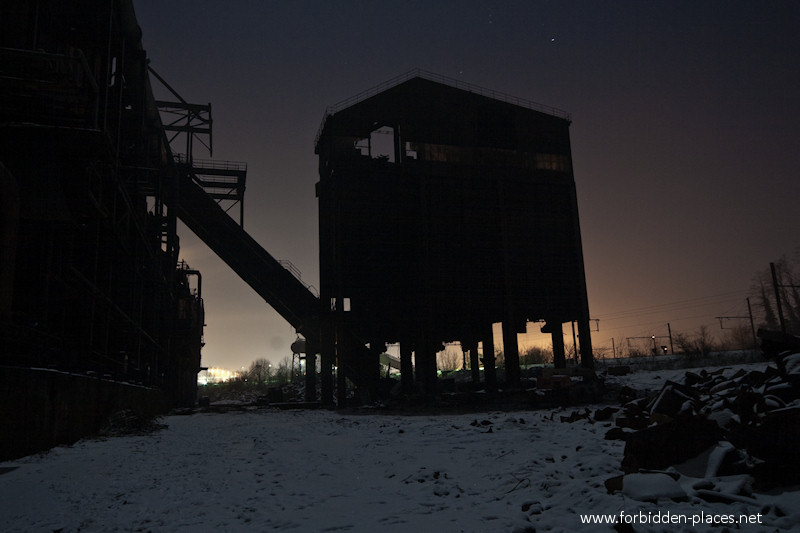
(215, 164)
(288, 265)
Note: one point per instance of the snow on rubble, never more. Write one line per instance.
(262, 469)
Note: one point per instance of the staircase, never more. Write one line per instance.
(277, 285)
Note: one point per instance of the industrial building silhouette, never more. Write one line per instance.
(444, 208)
(97, 314)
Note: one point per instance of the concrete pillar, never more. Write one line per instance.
(489, 371)
(341, 382)
(511, 354)
(373, 364)
(311, 370)
(585, 340)
(342, 362)
(559, 353)
(406, 367)
(326, 377)
(425, 359)
(327, 357)
(433, 367)
(425, 354)
(474, 361)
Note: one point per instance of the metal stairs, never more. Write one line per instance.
(267, 276)
(271, 280)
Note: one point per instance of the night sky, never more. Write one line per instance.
(684, 135)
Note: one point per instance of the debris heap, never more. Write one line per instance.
(717, 435)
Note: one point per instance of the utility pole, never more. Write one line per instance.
(575, 342)
(752, 325)
(671, 347)
(653, 338)
(776, 287)
(749, 316)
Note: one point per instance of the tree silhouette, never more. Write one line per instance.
(260, 371)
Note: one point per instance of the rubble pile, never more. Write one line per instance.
(128, 422)
(718, 436)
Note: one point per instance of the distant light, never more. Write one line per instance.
(553, 39)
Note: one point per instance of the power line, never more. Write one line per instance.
(672, 306)
(676, 303)
(645, 327)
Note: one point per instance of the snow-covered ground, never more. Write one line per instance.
(316, 470)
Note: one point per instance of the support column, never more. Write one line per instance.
(489, 371)
(433, 367)
(474, 361)
(511, 354)
(557, 336)
(406, 367)
(585, 339)
(311, 370)
(342, 362)
(327, 355)
(373, 368)
(425, 353)
(425, 358)
(575, 344)
(341, 382)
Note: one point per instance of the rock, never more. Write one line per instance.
(614, 484)
(782, 390)
(722, 497)
(723, 386)
(635, 416)
(619, 370)
(626, 393)
(722, 417)
(673, 442)
(744, 405)
(791, 364)
(605, 413)
(690, 378)
(616, 433)
(652, 487)
(776, 441)
(721, 459)
(575, 416)
(632, 422)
